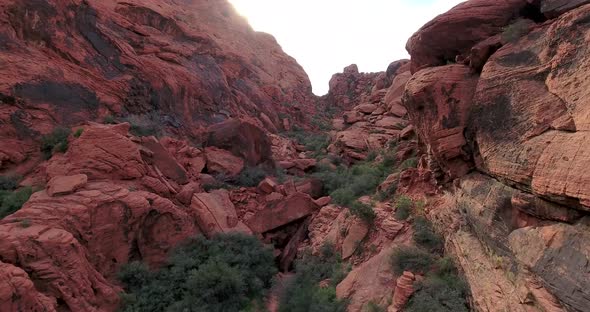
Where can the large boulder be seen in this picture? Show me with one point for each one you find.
(243, 139)
(215, 213)
(275, 215)
(455, 32)
(223, 162)
(73, 245)
(439, 101)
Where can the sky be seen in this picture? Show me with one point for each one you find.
(324, 36)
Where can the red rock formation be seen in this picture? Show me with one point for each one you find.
(18, 292)
(176, 65)
(454, 33)
(292, 208)
(439, 101)
(404, 288)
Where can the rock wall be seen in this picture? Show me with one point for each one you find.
(499, 99)
(180, 64)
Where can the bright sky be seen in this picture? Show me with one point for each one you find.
(327, 35)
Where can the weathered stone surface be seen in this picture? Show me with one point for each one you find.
(74, 244)
(456, 31)
(439, 101)
(404, 288)
(554, 8)
(18, 292)
(101, 152)
(356, 233)
(62, 185)
(243, 139)
(533, 138)
(223, 162)
(268, 185)
(292, 208)
(161, 158)
(215, 213)
(559, 254)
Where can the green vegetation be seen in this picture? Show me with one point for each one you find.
(8, 183)
(403, 208)
(229, 272)
(315, 142)
(411, 259)
(373, 307)
(304, 293)
(109, 119)
(442, 290)
(55, 142)
(250, 176)
(11, 201)
(409, 163)
(78, 133)
(363, 211)
(425, 236)
(515, 31)
(345, 185)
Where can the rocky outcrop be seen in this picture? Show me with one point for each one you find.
(290, 209)
(516, 212)
(171, 66)
(450, 36)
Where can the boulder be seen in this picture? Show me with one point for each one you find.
(455, 32)
(404, 289)
(275, 215)
(76, 243)
(356, 233)
(268, 185)
(439, 102)
(242, 139)
(62, 185)
(101, 152)
(223, 162)
(366, 108)
(323, 201)
(215, 213)
(161, 158)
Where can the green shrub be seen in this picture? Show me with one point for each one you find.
(411, 259)
(317, 143)
(109, 120)
(229, 272)
(10, 202)
(250, 176)
(373, 307)
(363, 211)
(303, 293)
(425, 236)
(438, 294)
(25, 223)
(78, 133)
(8, 183)
(403, 208)
(55, 142)
(409, 163)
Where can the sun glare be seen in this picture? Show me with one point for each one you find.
(327, 35)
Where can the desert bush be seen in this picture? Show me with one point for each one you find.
(317, 143)
(304, 293)
(11, 201)
(403, 207)
(411, 259)
(250, 176)
(55, 142)
(373, 307)
(439, 294)
(409, 163)
(425, 236)
(78, 132)
(109, 120)
(229, 272)
(363, 211)
(8, 183)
